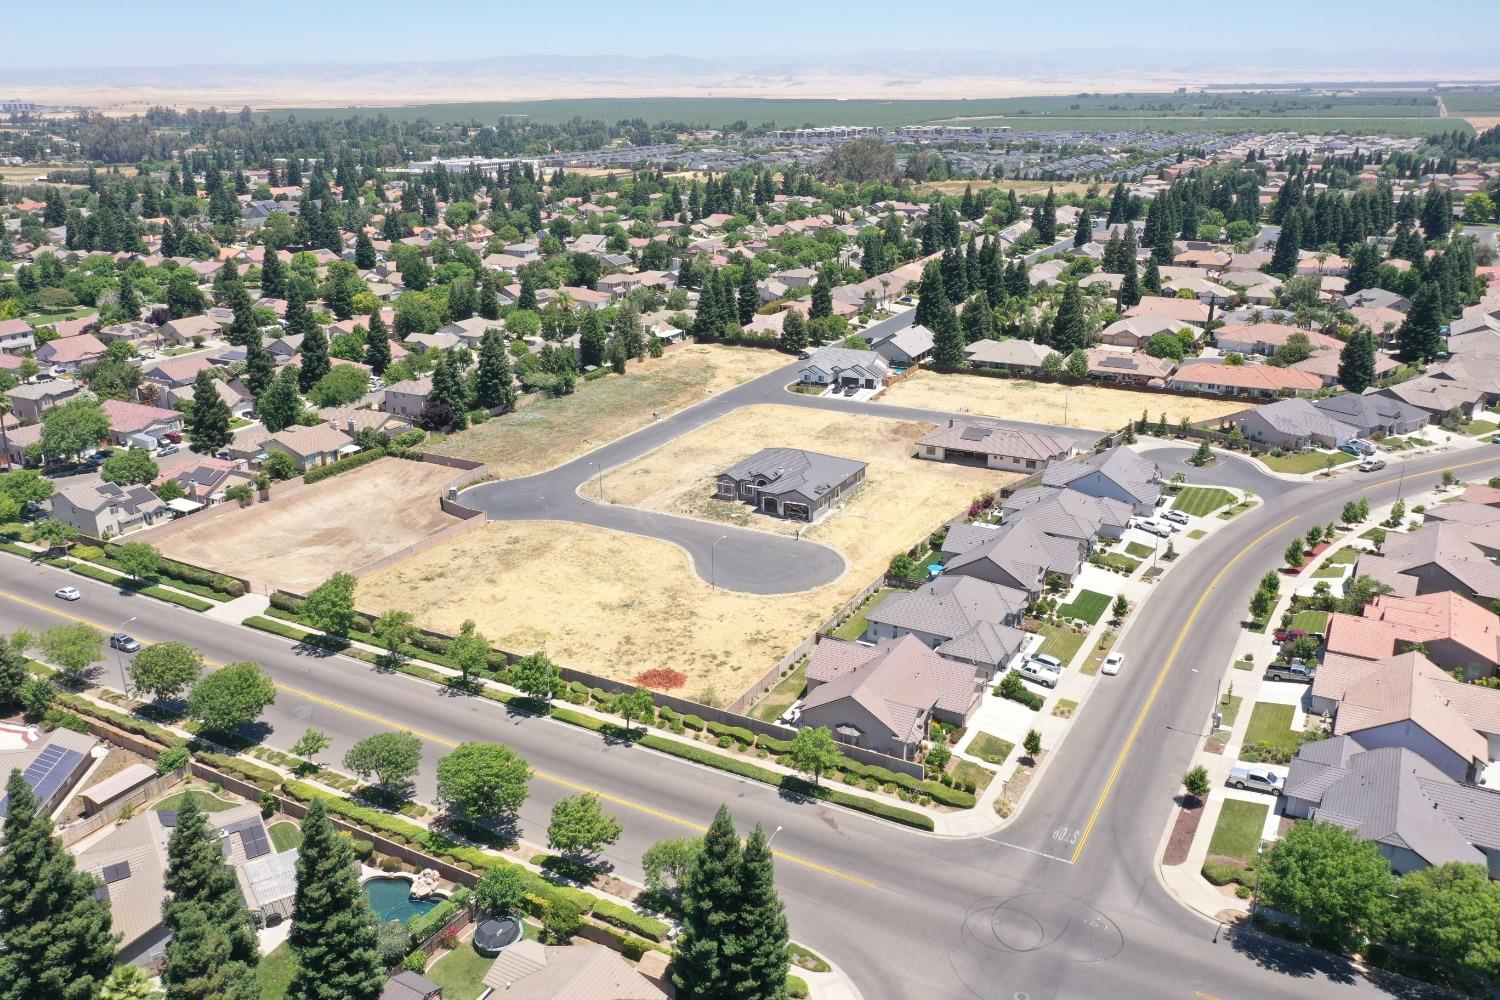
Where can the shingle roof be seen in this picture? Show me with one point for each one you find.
(989, 437)
(527, 970)
(1024, 552)
(792, 470)
(314, 440)
(1299, 417)
(1396, 693)
(949, 606)
(1371, 411)
(1444, 544)
(1019, 353)
(897, 682)
(1132, 473)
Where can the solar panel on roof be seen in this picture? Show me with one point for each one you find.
(116, 872)
(255, 844)
(168, 818)
(51, 768)
(975, 433)
(1118, 363)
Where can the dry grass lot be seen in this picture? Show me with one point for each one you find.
(536, 585)
(338, 524)
(552, 431)
(1091, 406)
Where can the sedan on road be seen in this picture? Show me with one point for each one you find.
(124, 643)
(1112, 664)
(67, 594)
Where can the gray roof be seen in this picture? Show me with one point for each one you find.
(991, 437)
(1023, 552)
(1298, 416)
(1443, 543)
(792, 470)
(950, 606)
(912, 342)
(834, 360)
(898, 682)
(1377, 298)
(1368, 411)
(409, 986)
(1066, 514)
(1132, 473)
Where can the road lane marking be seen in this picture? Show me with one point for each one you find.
(1205, 996)
(1161, 677)
(1028, 850)
(442, 741)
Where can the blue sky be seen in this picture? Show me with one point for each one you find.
(154, 33)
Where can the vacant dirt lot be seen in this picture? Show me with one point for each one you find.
(1091, 406)
(338, 524)
(537, 584)
(552, 431)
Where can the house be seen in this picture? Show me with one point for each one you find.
(1107, 365)
(1416, 816)
(1022, 356)
(407, 398)
(994, 445)
(1374, 415)
(30, 400)
(16, 336)
(1068, 514)
(961, 618)
(1117, 474)
(884, 697)
(311, 447)
(52, 763)
(351, 421)
(1455, 633)
(470, 331)
(1374, 298)
(105, 510)
(71, 354)
(1294, 423)
(1133, 333)
(1186, 310)
(1435, 558)
(236, 395)
(1020, 556)
(1251, 381)
(136, 333)
(842, 366)
(905, 348)
(186, 330)
(408, 985)
(132, 860)
(790, 482)
(1267, 338)
(529, 970)
(126, 420)
(205, 480)
(1437, 396)
(1325, 365)
(175, 372)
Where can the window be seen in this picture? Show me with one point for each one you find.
(744, 489)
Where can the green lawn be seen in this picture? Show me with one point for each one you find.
(1328, 571)
(1271, 725)
(1140, 550)
(1200, 500)
(1311, 621)
(990, 748)
(1197, 533)
(285, 836)
(1229, 710)
(1065, 708)
(967, 770)
(1095, 659)
(204, 801)
(1305, 461)
(1237, 834)
(1089, 605)
(1474, 428)
(461, 972)
(855, 626)
(1244, 664)
(1345, 556)
(1061, 643)
(782, 695)
(1124, 564)
(276, 970)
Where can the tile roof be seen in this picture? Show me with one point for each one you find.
(898, 682)
(305, 441)
(1396, 693)
(990, 437)
(129, 418)
(1016, 353)
(528, 970)
(1267, 378)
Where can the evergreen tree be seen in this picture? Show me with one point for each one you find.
(1357, 362)
(709, 945)
(260, 367)
(947, 338)
(526, 301)
(448, 390)
(591, 340)
(313, 357)
(280, 405)
(209, 418)
(1130, 286)
(272, 275)
(243, 328)
(1420, 335)
(749, 295)
(199, 963)
(129, 298)
(1044, 219)
(932, 296)
(299, 318)
(377, 345)
(821, 305)
(1364, 268)
(488, 305)
(1151, 278)
(54, 932)
(364, 251)
(1085, 229)
(333, 933)
(1285, 257)
(214, 954)
(1069, 327)
(493, 383)
(761, 968)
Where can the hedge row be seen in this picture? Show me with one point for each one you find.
(624, 916)
(629, 945)
(121, 721)
(342, 465)
(126, 583)
(742, 736)
(263, 778)
(226, 588)
(425, 925)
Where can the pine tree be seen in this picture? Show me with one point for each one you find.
(1420, 335)
(760, 972)
(333, 930)
(280, 405)
(821, 305)
(1130, 286)
(207, 916)
(1044, 219)
(364, 251)
(129, 298)
(1364, 268)
(1069, 329)
(209, 418)
(709, 944)
(1357, 362)
(1085, 229)
(199, 965)
(749, 295)
(947, 337)
(488, 305)
(493, 385)
(272, 276)
(260, 367)
(1151, 278)
(447, 388)
(313, 357)
(591, 340)
(1285, 257)
(793, 331)
(932, 296)
(54, 932)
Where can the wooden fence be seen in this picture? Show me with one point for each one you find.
(79, 829)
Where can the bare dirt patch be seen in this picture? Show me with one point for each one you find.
(552, 431)
(1090, 406)
(336, 525)
(1184, 828)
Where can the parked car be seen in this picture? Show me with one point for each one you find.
(1154, 527)
(1033, 671)
(1112, 664)
(1372, 465)
(67, 593)
(850, 390)
(1256, 779)
(1365, 445)
(1299, 673)
(170, 449)
(1175, 516)
(125, 643)
(174, 436)
(1047, 662)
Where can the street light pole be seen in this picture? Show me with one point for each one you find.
(120, 658)
(772, 837)
(712, 575)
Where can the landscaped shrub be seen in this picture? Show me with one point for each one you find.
(343, 465)
(743, 737)
(624, 916)
(693, 722)
(773, 744)
(424, 925)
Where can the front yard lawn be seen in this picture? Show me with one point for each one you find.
(1346, 556)
(1474, 428)
(1089, 605)
(1124, 564)
(1095, 659)
(1271, 725)
(1237, 834)
(461, 972)
(1065, 708)
(854, 628)
(1328, 571)
(1302, 462)
(967, 770)
(991, 749)
(1201, 500)
(782, 695)
(1140, 550)
(1061, 643)
(1229, 710)
(1311, 621)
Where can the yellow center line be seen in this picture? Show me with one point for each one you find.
(441, 741)
(1205, 996)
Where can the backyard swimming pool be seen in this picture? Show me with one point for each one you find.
(390, 898)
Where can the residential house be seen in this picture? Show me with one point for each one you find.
(351, 421)
(790, 482)
(1267, 338)
(1133, 333)
(1019, 356)
(174, 373)
(407, 398)
(16, 336)
(127, 420)
(1186, 310)
(1325, 365)
(1455, 633)
(1068, 514)
(1294, 423)
(137, 333)
(184, 331)
(1107, 365)
(1437, 396)
(204, 480)
(32, 399)
(1020, 556)
(961, 618)
(1373, 415)
(994, 445)
(103, 509)
(53, 763)
(311, 447)
(1436, 558)
(1117, 474)
(1374, 298)
(906, 347)
(408, 985)
(72, 354)
(530, 970)
(1250, 381)
(884, 697)
(236, 395)
(842, 366)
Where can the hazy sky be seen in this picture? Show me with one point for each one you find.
(102, 33)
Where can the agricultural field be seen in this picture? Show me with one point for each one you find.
(552, 431)
(336, 525)
(1088, 406)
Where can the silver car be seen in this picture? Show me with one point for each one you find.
(1256, 779)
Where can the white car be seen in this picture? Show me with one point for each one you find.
(1175, 516)
(67, 594)
(1036, 672)
(1152, 526)
(1112, 664)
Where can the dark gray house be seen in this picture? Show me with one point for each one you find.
(789, 482)
(1018, 555)
(962, 618)
(1119, 474)
(1373, 415)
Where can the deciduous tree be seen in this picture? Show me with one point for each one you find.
(164, 670)
(231, 697)
(483, 781)
(579, 828)
(813, 751)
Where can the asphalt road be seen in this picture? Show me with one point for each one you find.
(735, 558)
(1063, 903)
